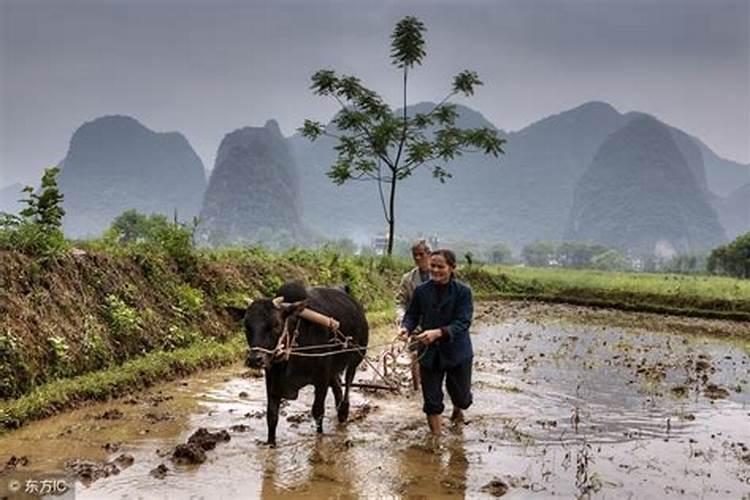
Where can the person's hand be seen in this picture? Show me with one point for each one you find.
(402, 333)
(429, 336)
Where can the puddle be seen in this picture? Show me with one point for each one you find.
(563, 407)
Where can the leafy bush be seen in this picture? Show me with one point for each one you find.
(122, 318)
(190, 301)
(14, 374)
(154, 234)
(60, 351)
(732, 259)
(178, 337)
(37, 230)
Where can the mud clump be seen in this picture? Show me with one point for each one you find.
(240, 428)
(159, 472)
(713, 391)
(111, 447)
(14, 463)
(124, 461)
(360, 412)
(113, 414)
(188, 454)
(194, 451)
(88, 471)
(496, 488)
(153, 417)
(679, 391)
(207, 440)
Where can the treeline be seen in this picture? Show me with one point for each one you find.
(37, 231)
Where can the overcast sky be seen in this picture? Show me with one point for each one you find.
(207, 67)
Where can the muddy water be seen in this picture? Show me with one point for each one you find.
(568, 401)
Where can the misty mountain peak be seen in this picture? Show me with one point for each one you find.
(115, 163)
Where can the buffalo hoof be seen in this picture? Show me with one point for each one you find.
(343, 411)
(271, 444)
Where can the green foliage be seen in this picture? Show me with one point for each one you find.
(45, 209)
(342, 246)
(609, 260)
(14, 374)
(190, 301)
(122, 319)
(95, 351)
(732, 259)
(178, 337)
(154, 234)
(573, 254)
(374, 143)
(60, 352)
(500, 253)
(538, 254)
(687, 263)
(37, 230)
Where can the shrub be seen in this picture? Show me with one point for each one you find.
(122, 319)
(37, 230)
(14, 374)
(190, 301)
(60, 351)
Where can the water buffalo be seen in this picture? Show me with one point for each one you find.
(265, 321)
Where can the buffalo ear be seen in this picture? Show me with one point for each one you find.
(237, 313)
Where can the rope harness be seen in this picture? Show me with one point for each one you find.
(339, 343)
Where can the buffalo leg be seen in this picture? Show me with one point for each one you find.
(343, 412)
(336, 390)
(318, 409)
(272, 411)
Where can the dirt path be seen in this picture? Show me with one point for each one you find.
(568, 400)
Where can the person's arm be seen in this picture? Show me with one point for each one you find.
(402, 298)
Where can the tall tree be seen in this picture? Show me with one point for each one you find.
(376, 144)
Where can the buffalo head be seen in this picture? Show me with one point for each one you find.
(264, 320)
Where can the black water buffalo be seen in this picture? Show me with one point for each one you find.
(265, 320)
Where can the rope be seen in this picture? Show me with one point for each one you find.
(287, 351)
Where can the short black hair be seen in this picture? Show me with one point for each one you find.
(448, 255)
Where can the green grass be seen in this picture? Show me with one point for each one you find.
(135, 374)
(685, 286)
(706, 296)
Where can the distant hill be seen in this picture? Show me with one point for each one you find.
(724, 176)
(524, 195)
(9, 196)
(253, 193)
(640, 194)
(114, 163)
(734, 211)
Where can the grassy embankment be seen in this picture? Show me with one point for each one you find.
(685, 295)
(94, 326)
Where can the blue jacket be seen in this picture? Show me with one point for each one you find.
(454, 312)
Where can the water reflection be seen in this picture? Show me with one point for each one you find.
(434, 467)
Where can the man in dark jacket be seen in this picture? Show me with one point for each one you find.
(443, 307)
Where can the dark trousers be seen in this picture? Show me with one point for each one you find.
(457, 382)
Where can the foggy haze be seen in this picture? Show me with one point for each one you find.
(205, 68)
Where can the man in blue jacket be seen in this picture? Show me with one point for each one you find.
(443, 307)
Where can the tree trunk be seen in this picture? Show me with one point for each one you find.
(391, 215)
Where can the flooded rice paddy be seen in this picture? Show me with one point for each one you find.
(569, 402)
